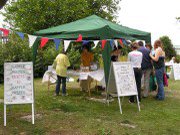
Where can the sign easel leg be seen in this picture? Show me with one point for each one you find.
(120, 104)
(138, 103)
(4, 115)
(32, 113)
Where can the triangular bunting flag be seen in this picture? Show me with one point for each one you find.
(21, 35)
(79, 38)
(57, 43)
(85, 42)
(112, 44)
(66, 44)
(124, 41)
(5, 31)
(32, 39)
(121, 43)
(95, 43)
(103, 43)
(116, 43)
(44, 40)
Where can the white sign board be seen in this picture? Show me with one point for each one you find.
(122, 80)
(18, 85)
(176, 71)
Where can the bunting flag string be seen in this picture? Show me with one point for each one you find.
(103, 43)
(57, 43)
(32, 39)
(5, 31)
(95, 43)
(66, 44)
(21, 35)
(44, 40)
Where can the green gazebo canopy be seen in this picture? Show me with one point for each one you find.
(95, 27)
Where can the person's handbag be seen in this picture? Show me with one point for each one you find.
(165, 80)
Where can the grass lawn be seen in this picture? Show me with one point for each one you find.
(76, 115)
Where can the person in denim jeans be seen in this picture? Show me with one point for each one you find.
(158, 62)
(61, 63)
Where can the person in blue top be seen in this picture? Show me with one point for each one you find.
(146, 67)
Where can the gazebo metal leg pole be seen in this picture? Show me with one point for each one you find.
(138, 103)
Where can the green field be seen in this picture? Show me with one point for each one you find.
(76, 115)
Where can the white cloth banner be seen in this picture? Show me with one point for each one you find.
(96, 43)
(32, 39)
(66, 44)
(116, 43)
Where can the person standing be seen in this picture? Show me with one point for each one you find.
(61, 63)
(159, 65)
(135, 57)
(116, 53)
(86, 61)
(146, 67)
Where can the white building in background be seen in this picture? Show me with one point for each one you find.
(177, 48)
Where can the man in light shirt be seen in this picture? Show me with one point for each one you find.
(135, 57)
(61, 63)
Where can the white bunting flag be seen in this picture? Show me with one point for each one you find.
(32, 39)
(116, 43)
(96, 43)
(66, 44)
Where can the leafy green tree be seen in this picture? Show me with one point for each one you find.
(14, 50)
(168, 47)
(29, 16)
(32, 15)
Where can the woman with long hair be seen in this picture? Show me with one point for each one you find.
(159, 65)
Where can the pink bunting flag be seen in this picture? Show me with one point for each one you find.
(103, 43)
(44, 40)
(79, 39)
(5, 31)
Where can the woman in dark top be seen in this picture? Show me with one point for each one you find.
(158, 62)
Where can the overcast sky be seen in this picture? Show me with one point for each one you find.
(155, 16)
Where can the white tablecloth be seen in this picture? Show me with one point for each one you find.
(98, 75)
